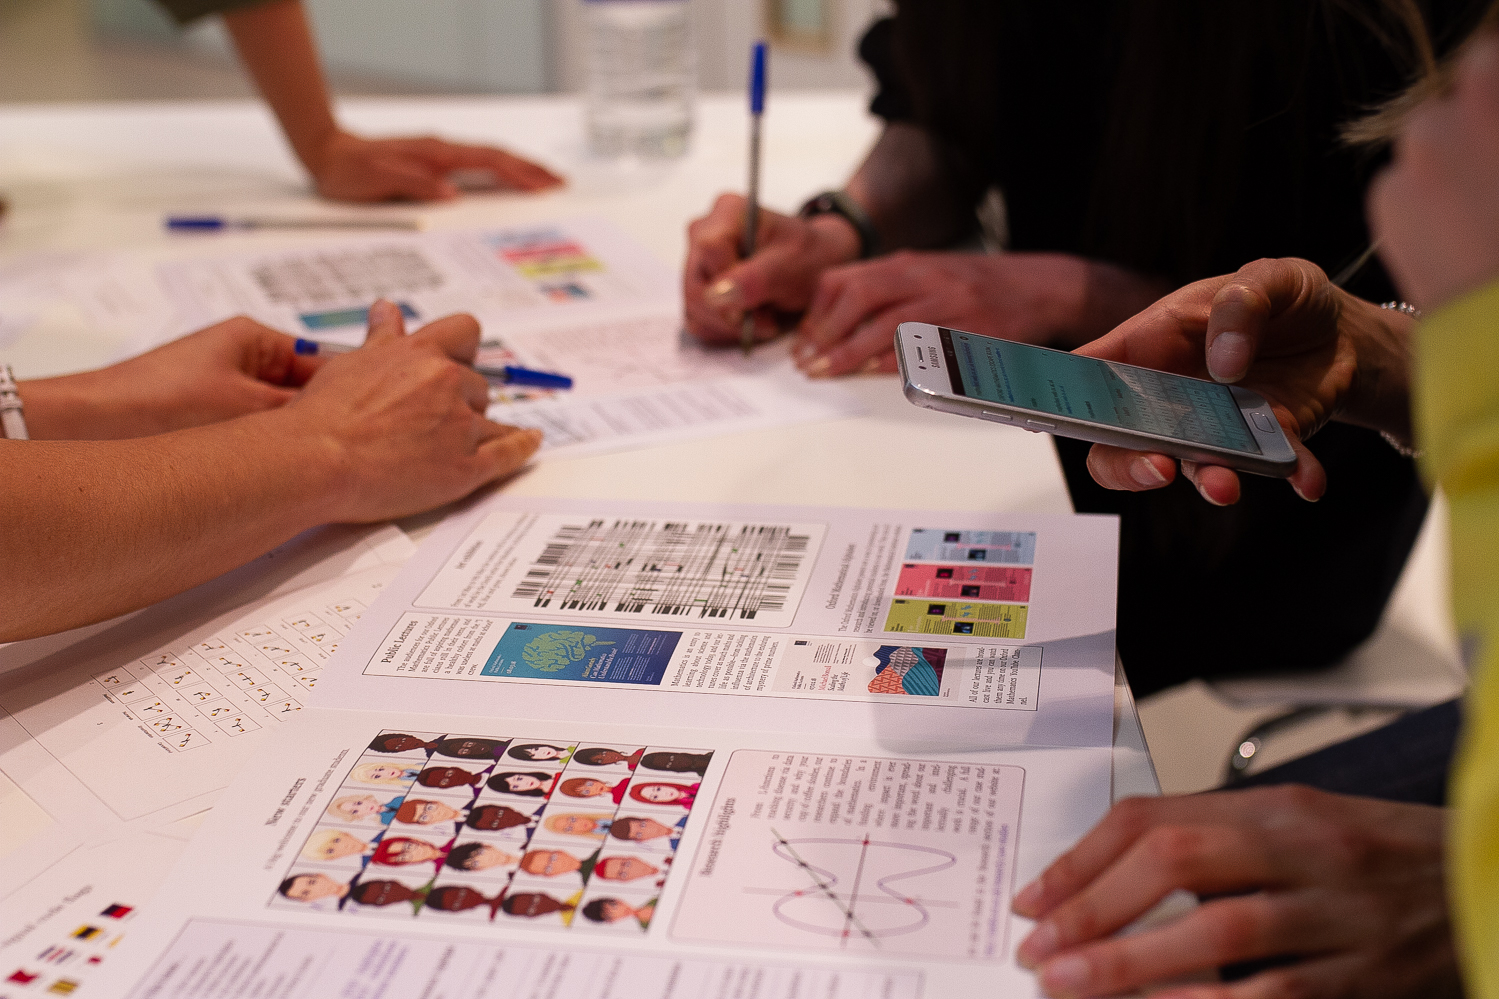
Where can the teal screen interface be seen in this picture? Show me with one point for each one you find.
(1114, 395)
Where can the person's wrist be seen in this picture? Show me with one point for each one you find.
(1378, 396)
(319, 467)
(835, 240)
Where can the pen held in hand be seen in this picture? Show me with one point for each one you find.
(508, 374)
(752, 199)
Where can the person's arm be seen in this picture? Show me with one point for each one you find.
(1435, 212)
(92, 529)
(275, 43)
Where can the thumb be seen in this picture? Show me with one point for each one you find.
(1242, 308)
(386, 321)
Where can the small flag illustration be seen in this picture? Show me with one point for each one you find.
(117, 911)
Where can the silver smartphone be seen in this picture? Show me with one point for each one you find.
(1039, 389)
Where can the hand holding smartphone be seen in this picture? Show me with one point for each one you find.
(1052, 391)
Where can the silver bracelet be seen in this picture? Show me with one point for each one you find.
(12, 420)
(1404, 308)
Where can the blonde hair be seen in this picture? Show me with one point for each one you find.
(1432, 78)
(321, 840)
(362, 773)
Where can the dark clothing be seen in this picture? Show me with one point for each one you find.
(1184, 139)
(187, 11)
(1406, 760)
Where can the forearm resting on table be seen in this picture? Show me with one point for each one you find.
(92, 529)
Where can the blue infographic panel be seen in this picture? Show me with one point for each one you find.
(571, 652)
(929, 544)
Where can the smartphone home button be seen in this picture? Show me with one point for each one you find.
(1041, 424)
(1264, 422)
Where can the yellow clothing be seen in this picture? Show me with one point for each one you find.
(1457, 426)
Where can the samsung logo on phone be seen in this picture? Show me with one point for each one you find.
(935, 360)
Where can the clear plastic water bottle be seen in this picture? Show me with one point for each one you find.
(641, 77)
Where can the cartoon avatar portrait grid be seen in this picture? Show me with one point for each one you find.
(534, 831)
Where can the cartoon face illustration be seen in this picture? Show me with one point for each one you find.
(493, 818)
(583, 787)
(611, 910)
(536, 752)
(397, 743)
(311, 887)
(398, 850)
(441, 777)
(624, 869)
(575, 825)
(356, 807)
(679, 763)
(420, 812)
(470, 748)
(597, 756)
(532, 904)
(662, 793)
(637, 829)
(382, 773)
(535, 784)
(479, 857)
(549, 863)
(332, 844)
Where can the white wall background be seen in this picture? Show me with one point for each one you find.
(519, 46)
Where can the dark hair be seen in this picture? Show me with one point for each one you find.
(379, 743)
(286, 885)
(491, 818)
(497, 782)
(595, 910)
(679, 763)
(521, 752)
(621, 828)
(593, 756)
(470, 748)
(462, 855)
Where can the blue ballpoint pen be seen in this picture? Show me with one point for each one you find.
(752, 200)
(220, 223)
(509, 374)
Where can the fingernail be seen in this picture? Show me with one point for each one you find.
(724, 294)
(1027, 899)
(1041, 944)
(1228, 357)
(1309, 499)
(818, 367)
(1066, 976)
(1203, 493)
(802, 351)
(1144, 472)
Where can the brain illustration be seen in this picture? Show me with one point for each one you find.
(558, 649)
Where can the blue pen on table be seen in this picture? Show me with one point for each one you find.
(752, 198)
(219, 223)
(508, 374)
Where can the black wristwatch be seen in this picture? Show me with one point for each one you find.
(839, 203)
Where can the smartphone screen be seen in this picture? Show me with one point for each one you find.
(1084, 388)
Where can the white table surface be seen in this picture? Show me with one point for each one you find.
(96, 177)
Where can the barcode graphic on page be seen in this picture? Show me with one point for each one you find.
(674, 569)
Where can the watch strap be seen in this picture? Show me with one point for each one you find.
(840, 203)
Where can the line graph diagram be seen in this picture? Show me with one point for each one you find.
(858, 889)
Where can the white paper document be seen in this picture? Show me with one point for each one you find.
(576, 297)
(981, 630)
(401, 854)
(651, 750)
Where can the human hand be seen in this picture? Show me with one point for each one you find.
(1351, 886)
(1028, 297)
(851, 323)
(1281, 329)
(349, 168)
(229, 369)
(718, 285)
(1435, 210)
(400, 422)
